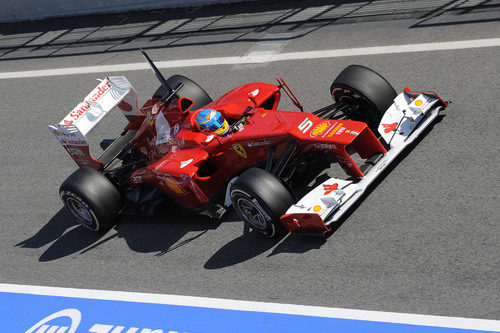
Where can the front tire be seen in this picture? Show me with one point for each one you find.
(92, 199)
(367, 92)
(260, 199)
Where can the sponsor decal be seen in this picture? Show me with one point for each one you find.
(340, 130)
(389, 127)
(305, 125)
(317, 208)
(330, 188)
(76, 142)
(258, 143)
(418, 102)
(186, 163)
(319, 128)
(75, 152)
(73, 314)
(324, 146)
(335, 130)
(329, 129)
(210, 138)
(66, 134)
(240, 150)
(137, 179)
(75, 318)
(80, 109)
(174, 185)
(264, 114)
(254, 93)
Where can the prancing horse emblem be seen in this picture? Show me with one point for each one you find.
(240, 150)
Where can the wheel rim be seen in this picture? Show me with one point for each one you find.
(347, 94)
(358, 102)
(79, 211)
(252, 213)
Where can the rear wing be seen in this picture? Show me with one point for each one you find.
(72, 130)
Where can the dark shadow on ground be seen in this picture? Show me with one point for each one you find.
(171, 28)
(146, 234)
(55, 228)
(241, 249)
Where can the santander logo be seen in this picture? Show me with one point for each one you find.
(72, 314)
(80, 109)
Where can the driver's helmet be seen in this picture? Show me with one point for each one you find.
(210, 120)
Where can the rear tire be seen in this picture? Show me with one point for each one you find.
(92, 199)
(369, 94)
(190, 90)
(260, 199)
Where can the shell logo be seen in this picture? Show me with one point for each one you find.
(320, 128)
(317, 208)
(418, 102)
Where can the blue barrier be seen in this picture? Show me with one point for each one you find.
(56, 314)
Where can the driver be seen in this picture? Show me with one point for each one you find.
(210, 120)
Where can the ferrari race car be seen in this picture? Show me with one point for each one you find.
(269, 164)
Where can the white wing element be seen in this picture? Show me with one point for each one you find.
(72, 130)
(401, 124)
(403, 116)
(111, 92)
(323, 199)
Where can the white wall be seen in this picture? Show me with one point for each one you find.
(20, 10)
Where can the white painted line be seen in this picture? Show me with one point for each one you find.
(219, 303)
(261, 58)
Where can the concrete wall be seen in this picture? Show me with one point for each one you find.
(21, 10)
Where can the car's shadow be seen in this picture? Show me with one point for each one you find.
(157, 234)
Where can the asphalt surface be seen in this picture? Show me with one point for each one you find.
(425, 240)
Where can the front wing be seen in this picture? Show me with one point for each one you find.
(406, 119)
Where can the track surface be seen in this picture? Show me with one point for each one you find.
(423, 241)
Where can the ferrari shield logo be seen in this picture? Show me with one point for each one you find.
(240, 150)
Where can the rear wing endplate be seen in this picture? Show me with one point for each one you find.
(72, 130)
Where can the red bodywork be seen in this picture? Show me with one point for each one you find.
(191, 166)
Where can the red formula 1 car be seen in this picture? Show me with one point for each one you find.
(263, 164)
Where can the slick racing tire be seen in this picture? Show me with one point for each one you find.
(91, 198)
(369, 94)
(261, 199)
(190, 90)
